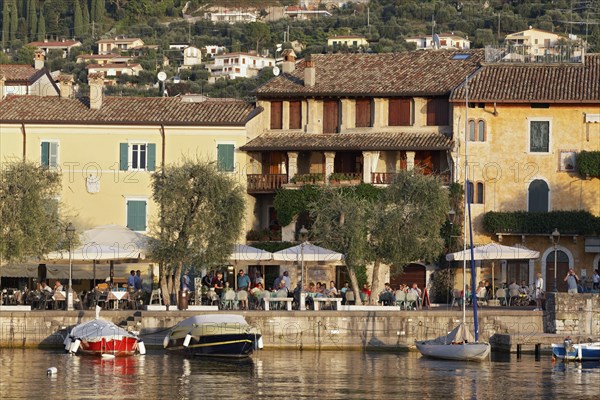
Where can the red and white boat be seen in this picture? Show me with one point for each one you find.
(103, 338)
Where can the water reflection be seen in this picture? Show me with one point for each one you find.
(293, 374)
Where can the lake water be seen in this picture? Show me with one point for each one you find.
(291, 375)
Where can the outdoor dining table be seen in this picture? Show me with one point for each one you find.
(117, 296)
(59, 296)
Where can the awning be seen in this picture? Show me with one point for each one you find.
(61, 271)
(242, 252)
(307, 252)
(494, 251)
(19, 271)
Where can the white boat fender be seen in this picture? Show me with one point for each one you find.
(107, 356)
(67, 343)
(579, 352)
(166, 340)
(51, 371)
(187, 340)
(141, 347)
(75, 346)
(260, 343)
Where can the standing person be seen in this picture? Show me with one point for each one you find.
(596, 280)
(218, 284)
(138, 281)
(539, 292)
(131, 281)
(571, 280)
(207, 279)
(243, 281)
(259, 279)
(186, 282)
(286, 279)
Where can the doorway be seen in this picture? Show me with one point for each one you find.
(562, 267)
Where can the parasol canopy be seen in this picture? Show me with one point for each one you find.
(493, 251)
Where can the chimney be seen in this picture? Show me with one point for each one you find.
(39, 59)
(309, 72)
(66, 86)
(289, 61)
(96, 81)
(2, 79)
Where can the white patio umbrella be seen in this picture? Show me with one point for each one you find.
(493, 251)
(307, 252)
(242, 252)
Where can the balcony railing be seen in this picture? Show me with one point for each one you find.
(385, 178)
(265, 183)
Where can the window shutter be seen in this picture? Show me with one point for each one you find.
(276, 114)
(45, 154)
(136, 215)
(225, 157)
(151, 165)
(123, 161)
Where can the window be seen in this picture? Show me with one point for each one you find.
(538, 196)
(363, 113)
(539, 136)
(225, 153)
(476, 191)
(295, 115)
(49, 156)
(137, 156)
(437, 112)
(477, 131)
(400, 113)
(136, 215)
(276, 114)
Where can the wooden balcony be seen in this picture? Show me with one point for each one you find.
(265, 183)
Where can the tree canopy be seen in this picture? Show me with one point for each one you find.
(30, 223)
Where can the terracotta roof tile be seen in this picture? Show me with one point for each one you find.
(288, 141)
(402, 74)
(124, 110)
(66, 43)
(19, 72)
(533, 83)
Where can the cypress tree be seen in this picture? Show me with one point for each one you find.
(14, 20)
(93, 10)
(5, 24)
(86, 18)
(41, 28)
(77, 19)
(32, 19)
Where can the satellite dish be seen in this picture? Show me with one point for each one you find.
(436, 41)
(276, 71)
(162, 76)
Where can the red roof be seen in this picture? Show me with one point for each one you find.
(66, 43)
(20, 72)
(113, 65)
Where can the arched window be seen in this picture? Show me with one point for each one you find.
(475, 193)
(538, 196)
(472, 130)
(477, 130)
(470, 190)
(481, 130)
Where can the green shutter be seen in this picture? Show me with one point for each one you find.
(45, 154)
(136, 215)
(225, 157)
(124, 152)
(151, 164)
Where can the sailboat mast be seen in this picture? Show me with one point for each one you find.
(466, 197)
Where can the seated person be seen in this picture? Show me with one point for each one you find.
(333, 292)
(386, 297)
(513, 290)
(218, 284)
(256, 293)
(46, 289)
(58, 286)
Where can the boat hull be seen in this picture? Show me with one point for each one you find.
(119, 348)
(457, 352)
(588, 352)
(227, 345)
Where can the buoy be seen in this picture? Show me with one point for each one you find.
(75, 346)
(166, 341)
(51, 371)
(187, 340)
(141, 347)
(107, 356)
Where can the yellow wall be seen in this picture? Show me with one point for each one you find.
(94, 150)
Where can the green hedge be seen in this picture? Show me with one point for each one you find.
(567, 222)
(588, 164)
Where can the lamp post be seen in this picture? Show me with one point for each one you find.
(555, 239)
(303, 235)
(70, 232)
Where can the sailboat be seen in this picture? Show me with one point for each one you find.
(459, 344)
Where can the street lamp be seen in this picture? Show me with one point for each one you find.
(555, 239)
(70, 232)
(303, 236)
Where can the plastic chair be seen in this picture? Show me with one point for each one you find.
(401, 299)
(456, 299)
(481, 296)
(229, 300)
(155, 296)
(350, 297)
(411, 301)
(241, 296)
(501, 296)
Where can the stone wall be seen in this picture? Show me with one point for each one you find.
(572, 314)
(388, 330)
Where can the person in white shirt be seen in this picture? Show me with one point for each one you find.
(596, 280)
(539, 292)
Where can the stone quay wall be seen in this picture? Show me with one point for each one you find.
(332, 330)
(572, 314)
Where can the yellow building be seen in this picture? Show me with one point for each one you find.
(107, 148)
(526, 125)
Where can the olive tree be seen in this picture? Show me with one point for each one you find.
(30, 225)
(201, 218)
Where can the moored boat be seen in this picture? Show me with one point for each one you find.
(457, 345)
(569, 351)
(102, 338)
(215, 335)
